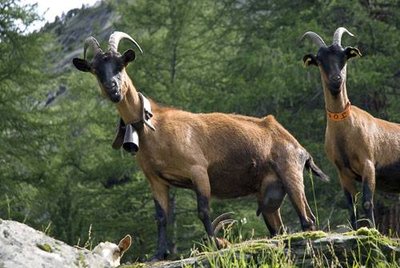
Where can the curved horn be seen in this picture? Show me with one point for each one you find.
(222, 224)
(118, 36)
(91, 42)
(221, 218)
(315, 38)
(337, 36)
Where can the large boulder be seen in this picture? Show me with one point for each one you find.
(23, 246)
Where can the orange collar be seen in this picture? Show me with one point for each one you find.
(340, 116)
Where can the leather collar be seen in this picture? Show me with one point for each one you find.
(341, 115)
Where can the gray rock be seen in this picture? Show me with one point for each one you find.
(23, 246)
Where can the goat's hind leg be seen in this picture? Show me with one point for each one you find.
(269, 201)
(294, 186)
(273, 221)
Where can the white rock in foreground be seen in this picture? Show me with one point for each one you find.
(23, 246)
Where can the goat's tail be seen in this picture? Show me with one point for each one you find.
(310, 165)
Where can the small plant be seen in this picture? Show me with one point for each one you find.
(47, 229)
(314, 197)
(89, 242)
(8, 201)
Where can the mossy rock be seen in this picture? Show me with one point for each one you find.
(364, 247)
(302, 236)
(372, 235)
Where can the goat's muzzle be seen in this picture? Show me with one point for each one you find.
(335, 84)
(112, 90)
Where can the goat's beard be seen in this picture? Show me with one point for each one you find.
(113, 97)
(117, 97)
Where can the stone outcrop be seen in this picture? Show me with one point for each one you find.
(22, 246)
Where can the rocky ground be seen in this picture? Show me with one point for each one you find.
(23, 246)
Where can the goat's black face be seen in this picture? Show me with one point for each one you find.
(109, 69)
(332, 63)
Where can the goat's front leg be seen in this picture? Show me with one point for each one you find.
(161, 199)
(368, 188)
(203, 211)
(203, 193)
(349, 190)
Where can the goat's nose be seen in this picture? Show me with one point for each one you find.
(112, 85)
(336, 78)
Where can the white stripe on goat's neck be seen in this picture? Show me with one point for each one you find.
(130, 107)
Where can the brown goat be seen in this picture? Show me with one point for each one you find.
(362, 147)
(216, 154)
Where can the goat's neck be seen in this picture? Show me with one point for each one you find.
(338, 103)
(130, 107)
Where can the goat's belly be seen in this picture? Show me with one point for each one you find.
(388, 178)
(177, 181)
(233, 184)
(232, 191)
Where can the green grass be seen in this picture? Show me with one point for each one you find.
(363, 248)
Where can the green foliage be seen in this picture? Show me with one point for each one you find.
(21, 155)
(57, 169)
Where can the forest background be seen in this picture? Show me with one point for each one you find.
(58, 172)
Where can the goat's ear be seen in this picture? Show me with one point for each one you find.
(125, 243)
(81, 65)
(310, 59)
(352, 52)
(128, 56)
